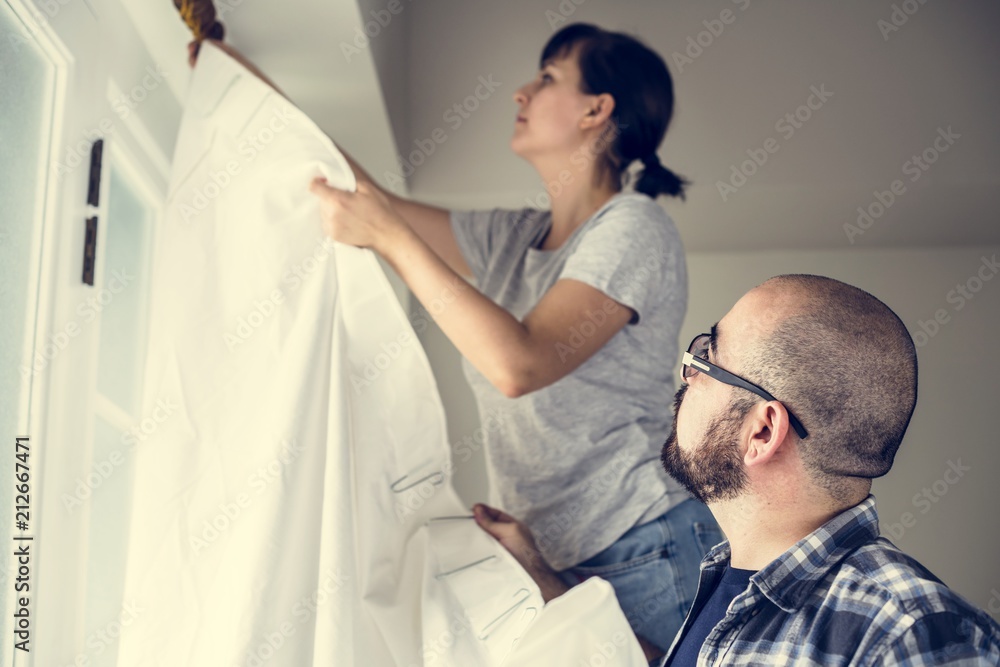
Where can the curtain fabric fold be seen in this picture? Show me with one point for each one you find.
(285, 511)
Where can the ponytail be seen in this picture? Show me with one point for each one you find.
(656, 179)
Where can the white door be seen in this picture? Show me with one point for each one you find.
(73, 336)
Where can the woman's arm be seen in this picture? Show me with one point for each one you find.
(431, 223)
(516, 357)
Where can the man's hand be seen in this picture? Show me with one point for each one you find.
(518, 540)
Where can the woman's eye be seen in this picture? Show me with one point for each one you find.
(546, 76)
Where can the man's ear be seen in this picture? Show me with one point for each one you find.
(767, 425)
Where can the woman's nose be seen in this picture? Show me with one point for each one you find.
(520, 97)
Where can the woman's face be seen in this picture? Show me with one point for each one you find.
(550, 109)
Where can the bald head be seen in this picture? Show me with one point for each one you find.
(840, 360)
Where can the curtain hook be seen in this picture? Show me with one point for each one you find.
(518, 638)
(442, 575)
(450, 518)
(486, 632)
(438, 479)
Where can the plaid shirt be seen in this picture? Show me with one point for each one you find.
(843, 596)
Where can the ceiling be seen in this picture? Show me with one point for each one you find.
(891, 92)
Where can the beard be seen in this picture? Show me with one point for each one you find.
(714, 470)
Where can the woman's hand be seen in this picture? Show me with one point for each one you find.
(363, 218)
(516, 538)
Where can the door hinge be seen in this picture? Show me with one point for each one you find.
(93, 199)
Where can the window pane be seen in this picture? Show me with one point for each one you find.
(120, 298)
(122, 292)
(27, 79)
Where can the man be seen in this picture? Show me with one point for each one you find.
(793, 403)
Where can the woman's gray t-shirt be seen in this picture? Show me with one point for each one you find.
(578, 461)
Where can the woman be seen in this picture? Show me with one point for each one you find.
(573, 330)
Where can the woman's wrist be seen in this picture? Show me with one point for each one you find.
(394, 239)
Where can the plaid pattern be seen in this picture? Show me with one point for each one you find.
(843, 596)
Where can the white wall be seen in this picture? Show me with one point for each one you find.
(888, 98)
(953, 529)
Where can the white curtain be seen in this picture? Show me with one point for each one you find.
(292, 499)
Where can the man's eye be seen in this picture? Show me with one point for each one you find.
(546, 76)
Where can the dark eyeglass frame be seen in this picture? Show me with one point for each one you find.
(694, 363)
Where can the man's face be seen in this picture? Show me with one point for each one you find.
(703, 452)
(714, 469)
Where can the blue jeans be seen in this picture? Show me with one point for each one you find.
(654, 569)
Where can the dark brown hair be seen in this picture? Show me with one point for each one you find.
(638, 79)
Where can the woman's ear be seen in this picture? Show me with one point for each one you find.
(600, 109)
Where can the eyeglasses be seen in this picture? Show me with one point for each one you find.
(696, 361)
